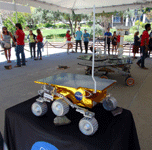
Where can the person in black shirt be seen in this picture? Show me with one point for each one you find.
(114, 42)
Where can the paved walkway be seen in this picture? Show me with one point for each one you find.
(17, 85)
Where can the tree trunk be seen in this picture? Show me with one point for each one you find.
(70, 24)
(122, 20)
(75, 25)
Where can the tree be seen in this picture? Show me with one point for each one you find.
(73, 18)
(9, 20)
(104, 19)
(148, 12)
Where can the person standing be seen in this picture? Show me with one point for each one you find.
(78, 35)
(150, 42)
(108, 36)
(118, 41)
(114, 42)
(6, 38)
(69, 43)
(20, 35)
(144, 46)
(86, 40)
(39, 44)
(32, 42)
(136, 43)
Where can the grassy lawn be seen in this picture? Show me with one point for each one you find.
(56, 32)
(47, 31)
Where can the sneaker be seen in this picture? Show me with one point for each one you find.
(144, 68)
(23, 64)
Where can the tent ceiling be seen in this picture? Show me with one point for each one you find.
(85, 6)
(11, 7)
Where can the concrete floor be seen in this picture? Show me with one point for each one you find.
(17, 85)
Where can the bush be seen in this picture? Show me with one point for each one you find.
(90, 23)
(137, 22)
(142, 24)
(85, 26)
(47, 25)
(40, 25)
(56, 36)
(129, 38)
(64, 26)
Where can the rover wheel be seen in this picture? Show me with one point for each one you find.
(88, 126)
(39, 109)
(110, 103)
(130, 81)
(104, 77)
(60, 107)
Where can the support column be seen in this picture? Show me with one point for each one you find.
(93, 49)
(112, 21)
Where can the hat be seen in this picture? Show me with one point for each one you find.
(85, 29)
(68, 30)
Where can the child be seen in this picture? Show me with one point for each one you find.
(69, 43)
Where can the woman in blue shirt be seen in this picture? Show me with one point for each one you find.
(86, 40)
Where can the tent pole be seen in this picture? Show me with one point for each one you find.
(93, 49)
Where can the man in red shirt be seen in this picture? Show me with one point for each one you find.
(144, 46)
(20, 35)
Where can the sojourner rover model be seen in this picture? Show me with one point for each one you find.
(77, 91)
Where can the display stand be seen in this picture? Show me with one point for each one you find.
(23, 130)
(121, 31)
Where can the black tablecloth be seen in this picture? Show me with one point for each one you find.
(1, 142)
(23, 129)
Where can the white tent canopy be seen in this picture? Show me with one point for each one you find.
(85, 6)
(12, 7)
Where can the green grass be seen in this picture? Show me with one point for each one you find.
(56, 34)
(57, 40)
(46, 32)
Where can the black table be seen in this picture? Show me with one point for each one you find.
(23, 129)
(1, 142)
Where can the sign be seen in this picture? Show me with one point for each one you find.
(78, 96)
(48, 96)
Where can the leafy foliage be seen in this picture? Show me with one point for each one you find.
(98, 31)
(10, 21)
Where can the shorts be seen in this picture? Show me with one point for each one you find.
(135, 49)
(69, 42)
